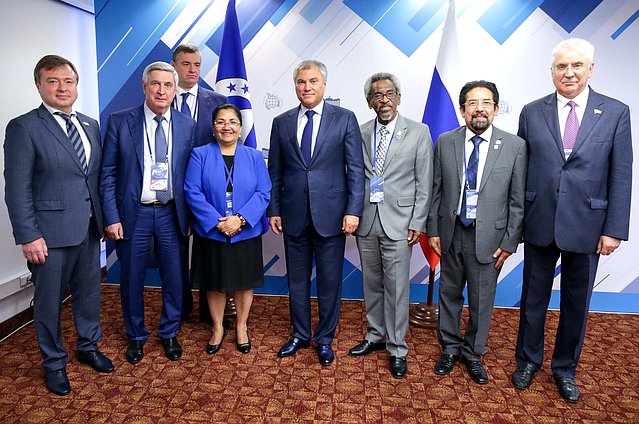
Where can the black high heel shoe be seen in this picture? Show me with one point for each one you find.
(244, 347)
(211, 349)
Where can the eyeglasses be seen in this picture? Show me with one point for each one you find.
(474, 104)
(576, 67)
(222, 124)
(391, 95)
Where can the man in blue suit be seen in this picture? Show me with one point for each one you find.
(51, 169)
(577, 208)
(198, 103)
(145, 153)
(317, 172)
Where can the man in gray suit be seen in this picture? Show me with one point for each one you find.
(577, 208)
(475, 222)
(398, 163)
(52, 161)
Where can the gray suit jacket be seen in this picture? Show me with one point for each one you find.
(47, 193)
(500, 208)
(408, 176)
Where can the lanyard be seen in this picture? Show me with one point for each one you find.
(195, 110)
(375, 146)
(228, 173)
(148, 141)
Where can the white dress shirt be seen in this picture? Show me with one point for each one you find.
(190, 100)
(302, 120)
(78, 125)
(148, 195)
(563, 109)
(483, 153)
(390, 127)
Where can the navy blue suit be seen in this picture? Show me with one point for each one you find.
(48, 195)
(312, 201)
(121, 188)
(569, 205)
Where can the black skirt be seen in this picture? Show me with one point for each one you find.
(226, 267)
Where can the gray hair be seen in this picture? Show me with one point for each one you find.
(159, 66)
(578, 45)
(368, 85)
(308, 64)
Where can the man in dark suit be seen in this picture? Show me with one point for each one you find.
(316, 168)
(475, 222)
(398, 162)
(198, 103)
(51, 169)
(145, 153)
(577, 208)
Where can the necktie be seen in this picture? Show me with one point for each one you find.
(471, 178)
(572, 127)
(161, 149)
(382, 149)
(307, 137)
(185, 109)
(76, 140)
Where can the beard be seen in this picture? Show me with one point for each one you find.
(479, 125)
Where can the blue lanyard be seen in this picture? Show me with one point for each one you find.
(375, 146)
(148, 142)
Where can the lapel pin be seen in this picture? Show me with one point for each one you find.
(498, 142)
(398, 135)
(496, 146)
(598, 112)
(86, 124)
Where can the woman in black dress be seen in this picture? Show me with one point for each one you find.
(228, 189)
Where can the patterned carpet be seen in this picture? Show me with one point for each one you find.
(259, 387)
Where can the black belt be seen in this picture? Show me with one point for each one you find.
(158, 204)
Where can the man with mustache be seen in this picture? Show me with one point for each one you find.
(146, 149)
(577, 208)
(475, 222)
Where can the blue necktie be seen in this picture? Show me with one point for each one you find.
(76, 140)
(307, 137)
(161, 150)
(471, 178)
(185, 106)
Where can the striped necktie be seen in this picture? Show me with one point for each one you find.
(161, 150)
(76, 140)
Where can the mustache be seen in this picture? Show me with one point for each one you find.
(480, 113)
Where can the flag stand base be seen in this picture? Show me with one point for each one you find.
(425, 314)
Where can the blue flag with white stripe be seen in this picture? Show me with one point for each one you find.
(231, 74)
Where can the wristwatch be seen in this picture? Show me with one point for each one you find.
(242, 219)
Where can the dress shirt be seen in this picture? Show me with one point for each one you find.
(391, 133)
(483, 153)
(302, 120)
(148, 195)
(191, 100)
(78, 125)
(563, 109)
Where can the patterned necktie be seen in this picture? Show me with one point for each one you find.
(161, 150)
(307, 137)
(572, 127)
(471, 178)
(382, 149)
(76, 140)
(185, 106)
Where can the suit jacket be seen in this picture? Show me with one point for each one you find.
(575, 201)
(208, 100)
(408, 179)
(500, 207)
(47, 192)
(333, 183)
(205, 188)
(123, 165)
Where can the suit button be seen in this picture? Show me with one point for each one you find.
(88, 199)
(557, 190)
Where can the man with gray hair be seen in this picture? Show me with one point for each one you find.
(316, 168)
(145, 153)
(398, 165)
(577, 208)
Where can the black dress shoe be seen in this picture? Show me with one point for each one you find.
(135, 351)
(445, 363)
(243, 347)
(366, 347)
(325, 354)
(58, 382)
(97, 360)
(567, 389)
(476, 371)
(291, 347)
(214, 348)
(398, 367)
(172, 348)
(522, 378)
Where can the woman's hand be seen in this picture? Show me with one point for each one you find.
(230, 225)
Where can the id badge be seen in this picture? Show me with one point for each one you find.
(471, 204)
(160, 176)
(377, 190)
(228, 202)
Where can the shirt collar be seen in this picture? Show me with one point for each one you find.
(580, 100)
(486, 135)
(318, 109)
(53, 110)
(149, 115)
(390, 126)
(192, 91)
